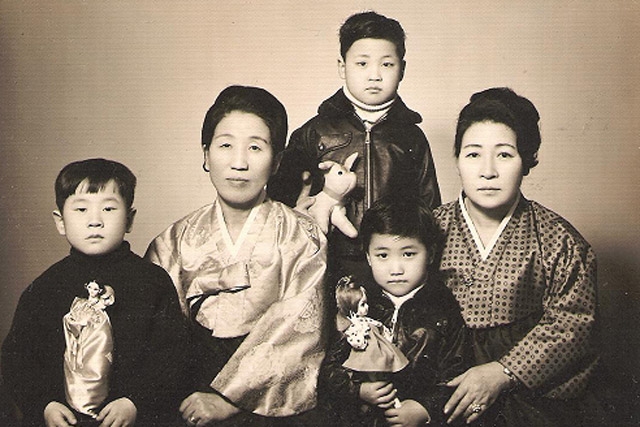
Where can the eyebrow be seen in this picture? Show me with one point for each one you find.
(382, 248)
(79, 199)
(255, 137)
(500, 144)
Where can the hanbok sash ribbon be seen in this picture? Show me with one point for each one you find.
(231, 278)
(88, 355)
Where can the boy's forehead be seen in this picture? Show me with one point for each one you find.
(367, 46)
(109, 189)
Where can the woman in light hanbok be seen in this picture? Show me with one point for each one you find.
(525, 279)
(249, 274)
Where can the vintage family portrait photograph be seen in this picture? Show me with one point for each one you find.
(352, 213)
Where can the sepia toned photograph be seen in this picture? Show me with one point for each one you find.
(339, 213)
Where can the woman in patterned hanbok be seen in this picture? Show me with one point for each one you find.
(249, 274)
(525, 279)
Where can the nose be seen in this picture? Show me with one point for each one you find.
(374, 74)
(397, 268)
(95, 221)
(488, 170)
(239, 159)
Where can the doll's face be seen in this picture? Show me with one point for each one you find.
(363, 306)
(94, 289)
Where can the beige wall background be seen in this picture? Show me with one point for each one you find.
(131, 81)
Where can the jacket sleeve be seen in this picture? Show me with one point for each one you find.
(556, 355)
(299, 156)
(31, 381)
(427, 180)
(443, 356)
(156, 383)
(335, 384)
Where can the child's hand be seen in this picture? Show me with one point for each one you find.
(200, 409)
(378, 393)
(58, 415)
(410, 413)
(119, 413)
(305, 201)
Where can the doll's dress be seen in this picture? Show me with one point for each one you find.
(88, 355)
(371, 347)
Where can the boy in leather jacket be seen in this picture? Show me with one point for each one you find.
(365, 116)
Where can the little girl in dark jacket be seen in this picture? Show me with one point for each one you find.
(400, 241)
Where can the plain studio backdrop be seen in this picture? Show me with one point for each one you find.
(131, 81)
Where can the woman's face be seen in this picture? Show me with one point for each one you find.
(240, 159)
(490, 168)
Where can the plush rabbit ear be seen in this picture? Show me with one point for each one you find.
(350, 161)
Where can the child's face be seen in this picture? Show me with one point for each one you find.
(399, 264)
(372, 70)
(240, 159)
(94, 223)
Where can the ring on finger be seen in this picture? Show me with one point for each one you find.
(476, 408)
(193, 420)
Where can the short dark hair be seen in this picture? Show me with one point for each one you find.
(97, 173)
(503, 105)
(401, 215)
(371, 25)
(248, 99)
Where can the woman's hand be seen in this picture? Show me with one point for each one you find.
(476, 390)
(409, 414)
(199, 409)
(378, 393)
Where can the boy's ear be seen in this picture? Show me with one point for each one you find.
(341, 69)
(59, 221)
(402, 69)
(130, 217)
(368, 259)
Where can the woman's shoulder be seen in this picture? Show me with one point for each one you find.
(445, 213)
(293, 225)
(194, 220)
(555, 228)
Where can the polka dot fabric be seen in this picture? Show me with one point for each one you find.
(540, 266)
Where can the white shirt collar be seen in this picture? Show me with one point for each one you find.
(368, 113)
(398, 301)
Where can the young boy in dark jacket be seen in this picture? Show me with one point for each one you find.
(401, 242)
(366, 116)
(98, 338)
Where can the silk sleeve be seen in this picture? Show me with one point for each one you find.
(556, 355)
